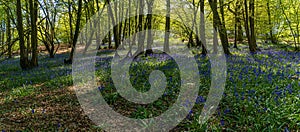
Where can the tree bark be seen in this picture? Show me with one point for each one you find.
(167, 28)
(33, 5)
(23, 54)
(140, 27)
(253, 47)
(221, 27)
(70, 60)
(202, 28)
(270, 23)
(149, 27)
(8, 34)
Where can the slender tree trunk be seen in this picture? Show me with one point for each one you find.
(235, 25)
(140, 27)
(167, 28)
(239, 23)
(28, 41)
(113, 20)
(235, 32)
(70, 22)
(33, 19)
(109, 33)
(8, 34)
(246, 17)
(221, 27)
(252, 27)
(270, 22)
(70, 60)
(149, 27)
(2, 33)
(129, 30)
(98, 26)
(202, 28)
(23, 54)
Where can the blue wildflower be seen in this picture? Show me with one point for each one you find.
(226, 111)
(200, 99)
(236, 94)
(32, 111)
(278, 93)
(286, 129)
(101, 88)
(242, 96)
(190, 114)
(222, 122)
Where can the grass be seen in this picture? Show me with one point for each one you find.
(262, 94)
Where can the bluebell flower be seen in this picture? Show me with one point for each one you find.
(289, 86)
(240, 77)
(265, 109)
(32, 111)
(101, 88)
(226, 111)
(190, 114)
(231, 79)
(278, 93)
(286, 129)
(236, 94)
(166, 93)
(222, 122)
(200, 99)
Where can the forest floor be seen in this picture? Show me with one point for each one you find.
(262, 93)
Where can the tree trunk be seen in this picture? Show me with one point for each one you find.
(8, 34)
(246, 17)
(221, 27)
(149, 27)
(70, 60)
(109, 33)
(253, 47)
(202, 28)
(28, 41)
(70, 23)
(270, 22)
(33, 5)
(167, 28)
(23, 54)
(140, 27)
(239, 23)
